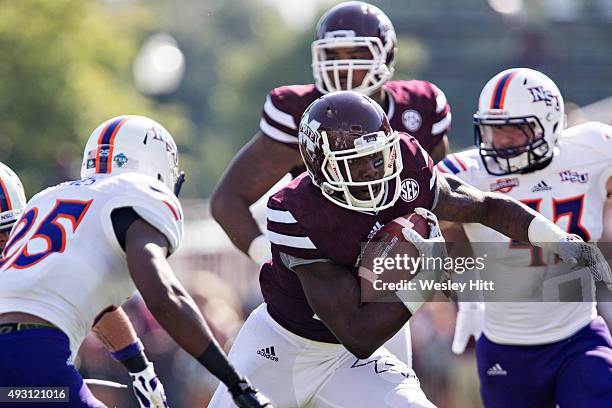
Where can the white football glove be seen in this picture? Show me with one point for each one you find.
(579, 254)
(470, 321)
(432, 246)
(148, 389)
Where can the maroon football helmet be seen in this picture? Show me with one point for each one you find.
(350, 151)
(353, 24)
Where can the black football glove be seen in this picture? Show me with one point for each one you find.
(247, 396)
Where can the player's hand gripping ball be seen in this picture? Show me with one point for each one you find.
(386, 258)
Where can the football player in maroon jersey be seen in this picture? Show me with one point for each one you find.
(314, 342)
(354, 49)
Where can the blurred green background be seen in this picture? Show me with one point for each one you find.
(67, 65)
(203, 68)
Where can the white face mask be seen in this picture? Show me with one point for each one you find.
(510, 145)
(339, 178)
(327, 72)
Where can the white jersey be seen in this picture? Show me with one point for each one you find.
(571, 191)
(63, 262)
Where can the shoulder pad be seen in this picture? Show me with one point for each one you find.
(595, 136)
(153, 201)
(283, 109)
(460, 164)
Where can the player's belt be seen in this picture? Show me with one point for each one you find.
(7, 328)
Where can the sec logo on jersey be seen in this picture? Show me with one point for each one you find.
(409, 190)
(412, 120)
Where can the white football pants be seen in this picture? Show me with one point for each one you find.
(296, 372)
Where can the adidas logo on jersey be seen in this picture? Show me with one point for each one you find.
(496, 369)
(268, 353)
(541, 186)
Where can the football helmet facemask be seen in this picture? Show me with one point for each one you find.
(518, 104)
(12, 198)
(353, 24)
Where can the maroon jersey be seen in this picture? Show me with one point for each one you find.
(418, 108)
(303, 224)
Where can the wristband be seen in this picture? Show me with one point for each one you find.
(411, 299)
(544, 233)
(132, 357)
(259, 249)
(133, 350)
(217, 363)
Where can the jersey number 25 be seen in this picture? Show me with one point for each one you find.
(16, 254)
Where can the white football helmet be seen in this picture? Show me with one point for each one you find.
(525, 99)
(12, 198)
(353, 24)
(133, 144)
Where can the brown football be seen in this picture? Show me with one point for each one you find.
(389, 242)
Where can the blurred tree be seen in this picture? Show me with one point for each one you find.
(66, 67)
(235, 52)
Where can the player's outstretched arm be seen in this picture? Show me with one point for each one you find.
(460, 202)
(115, 331)
(334, 294)
(252, 172)
(176, 312)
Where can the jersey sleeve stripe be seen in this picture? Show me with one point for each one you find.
(275, 133)
(279, 126)
(449, 165)
(456, 158)
(440, 100)
(441, 125)
(278, 115)
(290, 241)
(282, 217)
(440, 168)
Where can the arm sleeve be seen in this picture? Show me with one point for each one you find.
(122, 218)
